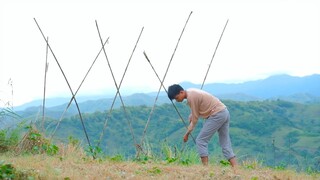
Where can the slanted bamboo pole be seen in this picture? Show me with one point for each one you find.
(116, 95)
(161, 83)
(81, 119)
(205, 77)
(117, 87)
(72, 98)
(175, 107)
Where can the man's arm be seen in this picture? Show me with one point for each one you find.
(193, 121)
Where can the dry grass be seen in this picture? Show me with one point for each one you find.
(72, 163)
(44, 167)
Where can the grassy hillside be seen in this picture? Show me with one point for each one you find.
(73, 163)
(277, 133)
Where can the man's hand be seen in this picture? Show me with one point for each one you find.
(185, 137)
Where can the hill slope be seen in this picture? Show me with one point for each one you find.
(275, 131)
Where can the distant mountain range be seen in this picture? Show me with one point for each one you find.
(295, 89)
(275, 87)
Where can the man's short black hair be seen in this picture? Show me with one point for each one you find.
(174, 90)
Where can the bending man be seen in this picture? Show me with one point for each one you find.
(207, 106)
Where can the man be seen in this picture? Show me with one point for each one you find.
(207, 106)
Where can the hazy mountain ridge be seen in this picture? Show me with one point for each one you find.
(274, 86)
(295, 89)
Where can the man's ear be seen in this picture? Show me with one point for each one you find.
(182, 92)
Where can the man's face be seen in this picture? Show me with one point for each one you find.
(179, 97)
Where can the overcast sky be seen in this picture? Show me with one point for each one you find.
(262, 38)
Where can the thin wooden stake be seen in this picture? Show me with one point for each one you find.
(175, 107)
(117, 87)
(161, 83)
(83, 126)
(116, 95)
(44, 86)
(72, 98)
(205, 77)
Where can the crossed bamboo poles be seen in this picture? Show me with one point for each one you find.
(118, 86)
(162, 81)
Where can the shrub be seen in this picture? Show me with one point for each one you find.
(6, 171)
(33, 142)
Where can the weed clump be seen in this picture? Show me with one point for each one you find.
(33, 142)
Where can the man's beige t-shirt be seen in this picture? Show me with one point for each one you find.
(202, 104)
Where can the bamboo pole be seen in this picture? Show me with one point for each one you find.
(116, 95)
(81, 119)
(72, 98)
(161, 83)
(44, 86)
(117, 87)
(175, 107)
(205, 77)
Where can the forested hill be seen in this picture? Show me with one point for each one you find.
(276, 133)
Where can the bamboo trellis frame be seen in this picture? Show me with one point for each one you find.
(118, 86)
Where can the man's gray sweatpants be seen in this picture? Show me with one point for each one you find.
(217, 122)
